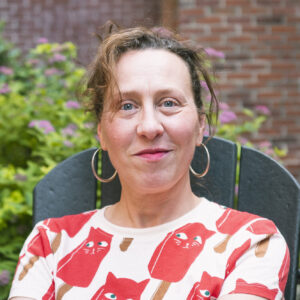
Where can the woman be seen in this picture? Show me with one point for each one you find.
(160, 241)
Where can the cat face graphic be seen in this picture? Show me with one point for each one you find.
(179, 249)
(94, 247)
(208, 288)
(120, 289)
(79, 266)
(187, 241)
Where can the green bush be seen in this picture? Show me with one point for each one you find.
(41, 123)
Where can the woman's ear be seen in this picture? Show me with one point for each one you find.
(101, 137)
(201, 128)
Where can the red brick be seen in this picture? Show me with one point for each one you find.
(209, 20)
(241, 39)
(238, 76)
(192, 12)
(254, 29)
(283, 28)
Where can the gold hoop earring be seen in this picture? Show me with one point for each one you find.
(207, 166)
(95, 173)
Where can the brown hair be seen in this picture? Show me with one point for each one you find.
(115, 41)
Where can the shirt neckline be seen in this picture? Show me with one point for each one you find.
(153, 230)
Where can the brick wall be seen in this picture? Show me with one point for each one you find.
(261, 41)
(260, 38)
(71, 20)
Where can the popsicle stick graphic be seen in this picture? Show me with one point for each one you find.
(28, 266)
(63, 290)
(161, 290)
(262, 247)
(125, 244)
(70, 224)
(221, 247)
(173, 257)
(262, 226)
(79, 267)
(39, 247)
(56, 242)
(229, 223)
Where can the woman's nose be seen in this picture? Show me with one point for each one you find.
(150, 125)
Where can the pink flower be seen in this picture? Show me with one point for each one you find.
(265, 144)
(69, 130)
(4, 277)
(5, 70)
(213, 52)
(242, 140)
(52, 71)
(68, 144)
(204, 85)
(4, 89)
(72, 104)
(227, 117)
(57, 57)
(262, 109)
(42, 40)
(88, 125)
(223, 106)
(33, 61)
(45, 125)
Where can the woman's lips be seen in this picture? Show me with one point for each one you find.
(152, 154)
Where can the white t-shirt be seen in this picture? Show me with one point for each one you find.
(209, 252)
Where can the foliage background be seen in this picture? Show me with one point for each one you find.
(42, 123)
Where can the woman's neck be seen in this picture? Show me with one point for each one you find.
(142, 210)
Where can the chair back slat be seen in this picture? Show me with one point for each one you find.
(218, 184)
(111, 191)
(269, 190)
(69, 188)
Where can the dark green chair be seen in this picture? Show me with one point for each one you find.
(264, 187)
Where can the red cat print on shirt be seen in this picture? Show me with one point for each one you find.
(263, 226)
(120, 289)
(242, 287)
(208, 288)
(79, 267)
(235, 255)
(174, 255)
(70, 224)
(229, 223)
(39, 246)
(50, 294)
(284, 270)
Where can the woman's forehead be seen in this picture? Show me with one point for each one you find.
(152, 69)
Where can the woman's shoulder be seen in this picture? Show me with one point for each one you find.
(70, 223)
(230, 221)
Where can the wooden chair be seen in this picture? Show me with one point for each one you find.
(264, 188)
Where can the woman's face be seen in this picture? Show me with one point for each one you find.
(152, 136)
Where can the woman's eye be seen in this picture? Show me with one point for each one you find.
(168, 103)
(127, 106)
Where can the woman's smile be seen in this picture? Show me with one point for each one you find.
(153, 154)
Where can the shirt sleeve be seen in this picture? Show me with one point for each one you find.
(258, 262)
(34, 273)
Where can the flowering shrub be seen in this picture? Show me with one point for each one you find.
(42, 123)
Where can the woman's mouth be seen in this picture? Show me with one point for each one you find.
(152, 154)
